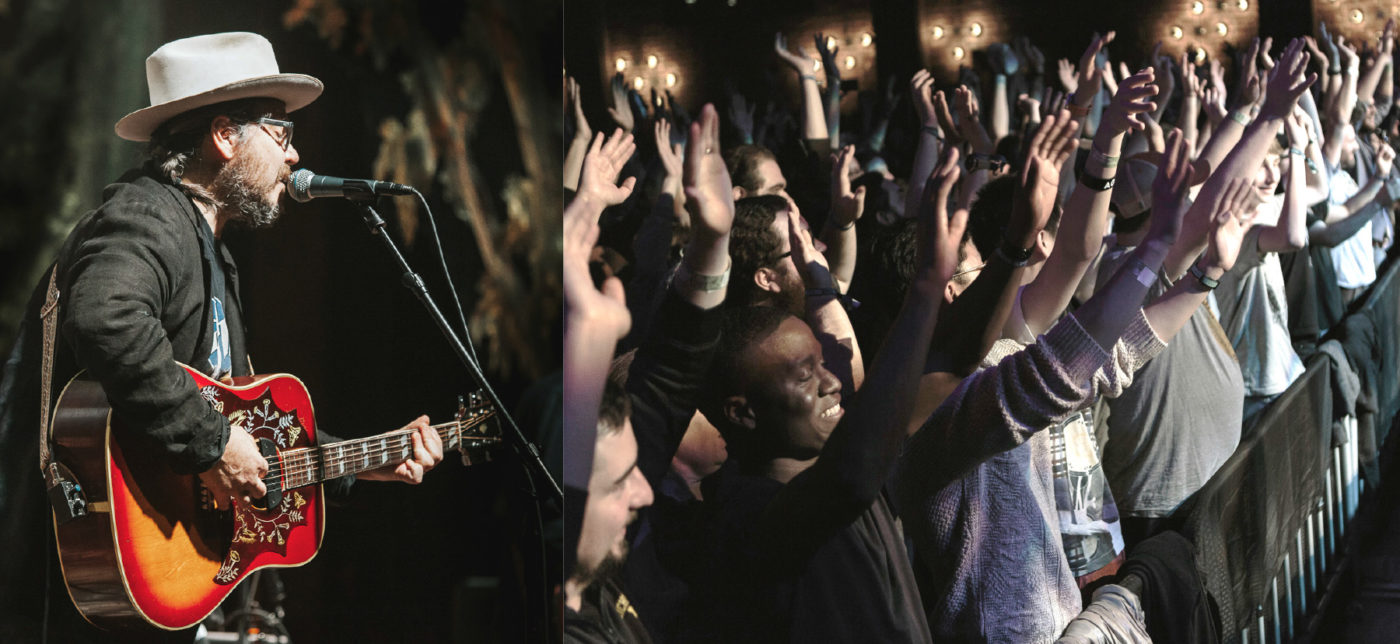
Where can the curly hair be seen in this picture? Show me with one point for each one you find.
(752, 245)
(743, 328)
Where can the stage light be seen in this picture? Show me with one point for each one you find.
(1200, 55)
(1176, 32)
(651, 61)
(866, 39)
(1243, 5)
(638, 83)
(830, 43)
(975, 29)
(1197, 7)
(937, 32)
(670, 80)
(850, 62)
(733, 2)
(1357, 16)
(620, 64)
(958, 53)
(1221, 29)
(816, 65)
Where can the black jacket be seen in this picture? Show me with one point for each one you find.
(134, 279)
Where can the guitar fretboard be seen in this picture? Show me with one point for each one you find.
(301, 467)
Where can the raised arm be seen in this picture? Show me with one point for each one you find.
(839, 231)
(825, 312)
(832, 99)
(578, 145)
(813, 112)
(1380, 65)
(594, 321)
(1286, 83)
(1346, 219)
(1086, 214)
(703, 275)
(1291, 231)
(921, 94)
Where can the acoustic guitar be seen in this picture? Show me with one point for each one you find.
(155, 548)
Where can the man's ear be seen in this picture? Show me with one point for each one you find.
(738, 413)
(223, 134)
(949, 293)
(740, 193)
(767, 280)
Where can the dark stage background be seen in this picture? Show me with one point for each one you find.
(457, 98)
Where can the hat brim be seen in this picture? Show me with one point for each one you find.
(294, 90)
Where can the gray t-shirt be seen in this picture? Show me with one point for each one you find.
(1254, 314)
(1179, 420)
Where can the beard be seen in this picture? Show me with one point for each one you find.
(792, 297)
(243, 193)
(606, 569)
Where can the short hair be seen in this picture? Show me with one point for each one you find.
(743, 161)
(990, 214)
(743, 328)
(615, 409)
(176, 143)
(752, 244)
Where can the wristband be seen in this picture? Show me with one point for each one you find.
(932, 131)
(1077, 111)
(702, 283)
(847, 302)
(986, 162)
(1296, 151)
(810, 77)
(847, 226)
(1104, 160)
(1239, 117)
(1097, 184)
(1016, 257)
(1144, 275)
(1200, 276)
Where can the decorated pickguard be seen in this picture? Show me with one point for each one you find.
(262, 536)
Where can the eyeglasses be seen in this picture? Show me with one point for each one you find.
(970, 270)
(285, 139)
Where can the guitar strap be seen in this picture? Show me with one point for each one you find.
(49, 316)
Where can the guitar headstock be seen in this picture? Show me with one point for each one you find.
(476, 437)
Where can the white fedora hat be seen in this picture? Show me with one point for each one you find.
(204, 70)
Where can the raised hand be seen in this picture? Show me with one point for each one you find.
(1051, 102)
(670, 156)
(1068, 77)
(1233, 217)
(939, 234)
(1193, 88)
(1214, 103)
(1131, 105)
(828, 54)
(1030, 107)
(846, 205)
(811, 264)
(802, 64)
(582, 131)
(1032, 56)
(1333, 54)
(620, 112)
(1169, 190)
(1249, 82)
(1091, 75)
(1347, 54)
(1052, 144)
(601, 167)
(708, 190)
(969, 126)
(1385, 159)
(921, 90)
(1265, 62)
(945, 118)
(583, 302)
(1287, 82)
(740, 114)
(1296, 127)
(1217, 78)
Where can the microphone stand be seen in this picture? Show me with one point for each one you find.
(413, 282)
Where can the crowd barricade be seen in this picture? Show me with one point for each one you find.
(1270, 527)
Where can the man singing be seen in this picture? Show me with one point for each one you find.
(144, 282)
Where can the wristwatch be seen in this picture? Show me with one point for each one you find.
(1200, 276)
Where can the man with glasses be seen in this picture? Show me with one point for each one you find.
(145, 281)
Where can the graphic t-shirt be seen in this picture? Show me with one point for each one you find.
(220, 358)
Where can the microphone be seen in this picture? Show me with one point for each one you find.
(305, 185)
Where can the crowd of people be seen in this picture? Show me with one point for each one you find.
(950, 406)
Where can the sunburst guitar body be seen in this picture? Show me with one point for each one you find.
(155, 549)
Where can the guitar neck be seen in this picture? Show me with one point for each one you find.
(301, 467)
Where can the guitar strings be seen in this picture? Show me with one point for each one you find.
(361, 450)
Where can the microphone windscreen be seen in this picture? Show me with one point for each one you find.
(299, 185)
